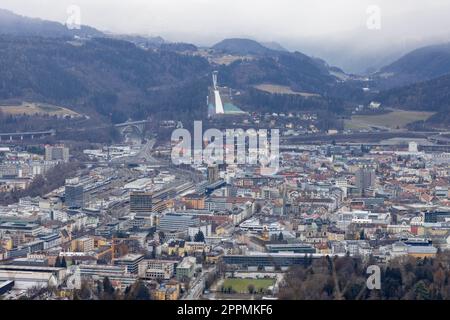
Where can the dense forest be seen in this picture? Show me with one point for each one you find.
(110, 78)
(432, 95)
(344, 278)
(300, 72)
(267, 102)
(420, 65)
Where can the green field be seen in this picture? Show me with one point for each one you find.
(397, 119)
(277, 89)
(241, 285)
(33, 108)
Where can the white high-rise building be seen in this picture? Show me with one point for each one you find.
(412, 147)
(56, 153)
(365, 179)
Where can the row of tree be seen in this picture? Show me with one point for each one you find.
(104, 290)
(345, 278)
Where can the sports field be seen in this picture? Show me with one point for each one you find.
(241, 285)
(33, 108)
(397, 119)
(277, 89)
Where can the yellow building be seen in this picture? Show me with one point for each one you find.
(213, 258)
(422, 255)
(193, 247)
(335, 236)
(168, 292)
(6, 244)
(99, 242)
(436, 232)
(175, 249)
(193, 201)
(421, 231)
(65, 293)
(172, 294)
(221, 230)
(84, 244)
(159, 294)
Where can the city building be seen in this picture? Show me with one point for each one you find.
(365, 179)
(290, 248)
(25, 228)
(177, 222)
(141, 202)
(157, 269)
(118, 275)
(213, 173)
(84, 244)
(27, 277)
(186, 269)
(56, 153)
(131, 261)
(74, 195)
(268, 259)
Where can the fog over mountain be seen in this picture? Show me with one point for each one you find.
(333, 30)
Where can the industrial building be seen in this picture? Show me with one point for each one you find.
(74, 195)
(26, 277)
(290, 248)
(131, 261)
(268, 259)
(56, 153)
(155, 201)
(177, 222)
(157, 269)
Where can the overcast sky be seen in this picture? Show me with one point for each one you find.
(265, 19)
(293, 23)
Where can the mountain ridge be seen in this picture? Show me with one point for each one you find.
(139, 76)
(419, 65)
(242, 46)
(14, 24)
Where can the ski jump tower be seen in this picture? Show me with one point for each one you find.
(217, 99)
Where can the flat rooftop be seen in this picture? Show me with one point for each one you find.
(130, 257)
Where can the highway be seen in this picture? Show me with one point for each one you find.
(357, 137)
(143, 156)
